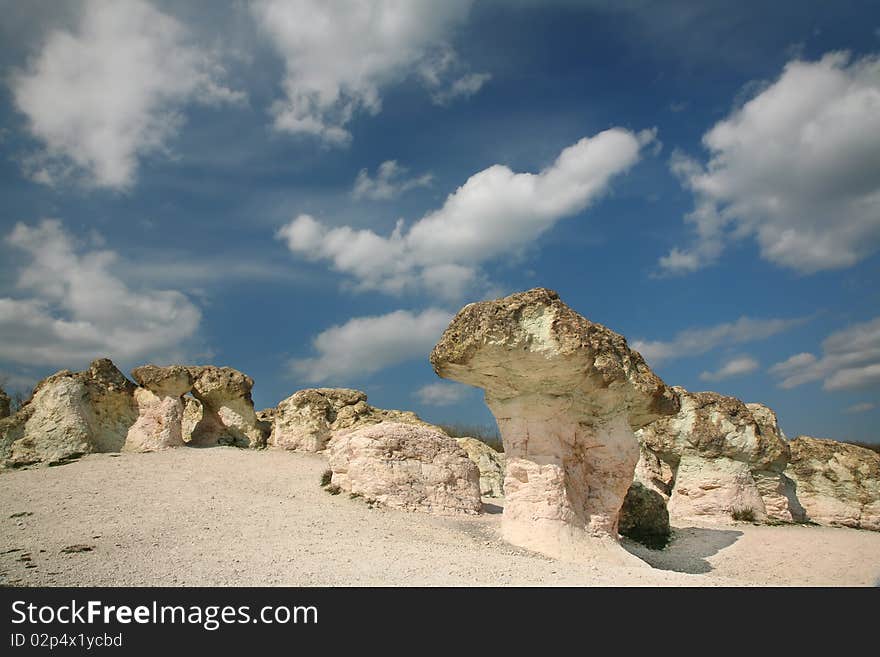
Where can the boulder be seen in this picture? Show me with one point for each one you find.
(68, 415)
(837, 483)
(406, 466)
(160, 407)
(490, 464)
(193, 412)
(308, 419)
(5, 404)
(718, 457)
(566, 394)
(267, 415)
(227, 409)
(644, 517)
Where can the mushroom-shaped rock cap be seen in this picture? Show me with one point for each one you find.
(531, 342)
(215, 383)
(171, 381)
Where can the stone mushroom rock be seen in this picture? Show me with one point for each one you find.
(68, 415)
(490, 463)
(227, 409)
(309, 419)
(718, 457)
(837, 483)
(5, 403)
(160, 405)
(566, 394)
(406, 466)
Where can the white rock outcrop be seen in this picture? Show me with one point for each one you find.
(406, 466)
(227, 409)
(160, 405)
(201, 406)
(490, 463)
(308, 419)
(837, 483)
(68, 415)
(718, 457)
(566, 394)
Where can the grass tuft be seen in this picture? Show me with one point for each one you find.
(746, 515)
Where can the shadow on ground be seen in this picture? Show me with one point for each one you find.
(687, 551)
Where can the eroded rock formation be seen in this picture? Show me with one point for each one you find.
(718, 457)
(219, 411)
(70, 414)
(490, 463)
(227, 409)
(308, 419)
(566, 394)
(5, 404)
(160, 407)
(837, 483)
(406, 466)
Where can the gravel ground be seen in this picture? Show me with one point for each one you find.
(230, 517)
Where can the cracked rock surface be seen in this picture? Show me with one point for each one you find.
(406, 466)
(838, 484)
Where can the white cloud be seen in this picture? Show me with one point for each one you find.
(797, 167)
(438, 73)
(78, 310)
(862, 407)
(737, 366)
(365, 345)
(338, 56)
(850, 360)
(696, 341)
(390, 182)
(112, 92)
(441, 393)
(495, 212)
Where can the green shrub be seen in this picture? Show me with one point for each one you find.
(482, 432)
(326, 478)
(746, 515)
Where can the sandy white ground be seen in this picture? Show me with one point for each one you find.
(229, 517)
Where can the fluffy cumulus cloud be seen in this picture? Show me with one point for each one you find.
(495, 212)
(797, 167)
(338, 57)
(696, 341)
(737, 366)
(70, 308)
(441, 393)
(391, 181)
(850, 360)
(102, 97)
(365, 345)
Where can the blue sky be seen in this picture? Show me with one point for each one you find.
(308, 191)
